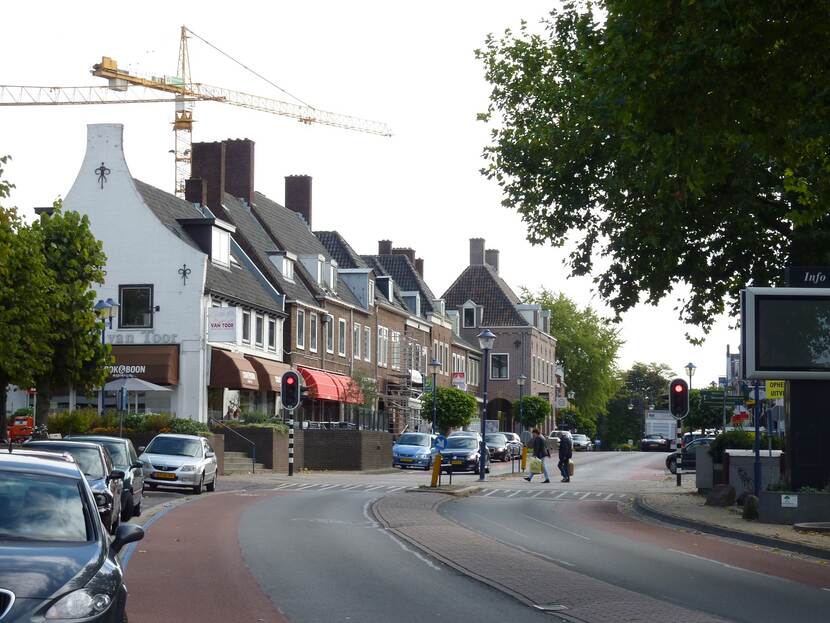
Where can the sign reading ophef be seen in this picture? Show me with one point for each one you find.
(222, 324)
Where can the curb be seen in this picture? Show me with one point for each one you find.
(463, 492)
(641, 507)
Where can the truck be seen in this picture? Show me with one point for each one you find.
(659, 422)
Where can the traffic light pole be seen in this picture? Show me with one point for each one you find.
(291, 443)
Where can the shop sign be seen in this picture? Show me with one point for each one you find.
(222, 324)
(122, 370)
(142, 337)
(775, 390)
(459, 380)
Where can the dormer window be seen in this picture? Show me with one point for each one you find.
(371, 293)
(321, 264)
(469, 317)
(288, 268)
(333, 276)
(220, 247)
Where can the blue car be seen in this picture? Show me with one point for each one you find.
(414, 450)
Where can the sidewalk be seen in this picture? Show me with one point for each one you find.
(687, 508)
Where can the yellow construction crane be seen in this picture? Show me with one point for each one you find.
(126, 88)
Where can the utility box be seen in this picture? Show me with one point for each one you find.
(742, 469)
(704, 468)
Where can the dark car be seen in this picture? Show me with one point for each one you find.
(655, 442)
(498, 446)
(95, 463)
(461, 454)
(689, 452)
(124, 458)
(56, 559)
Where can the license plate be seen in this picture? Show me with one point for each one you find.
(163, 476)
(457, 462)
(406, 460)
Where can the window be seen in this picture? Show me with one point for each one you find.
(473, 371)
(312, 333)
(288, 268)
(499, 366)
(259, 330)
(341, 337)
(333, 277)
(272, 334)
(220, 247)
(356, 341)
(300, 328)
(383, 347)
(246, 326)
(416, 358)
(371, 292)
(329, 334)
(135, 307)
(367, 343)
(445, 360)
(396, 350)
(320, 266)
(469, 317)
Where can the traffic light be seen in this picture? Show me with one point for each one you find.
(290, 390)
(679, 398)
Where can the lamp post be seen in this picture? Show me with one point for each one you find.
(690, 372)
(520, 381)
(486, 339)
(434, 365)
(106, 310)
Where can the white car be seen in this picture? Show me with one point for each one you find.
(179, 461)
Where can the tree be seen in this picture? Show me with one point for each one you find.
(533, 411)
(703, 413)
(75, 261)
(24, 310)
(586, 346)
(640, 387)
(574, 421)
(454, 408)
(684, 142)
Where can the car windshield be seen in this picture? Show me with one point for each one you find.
(176, 446)
(496, 439)
(88, 459)
(413, 439)
(118, 453)
(468, 443)
(580, 438)
(34, 507)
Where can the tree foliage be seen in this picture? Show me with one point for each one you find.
(683, 141)
(641, 386)
(586, 346)
(574, 421)
(532, 412)
(75, 262)
(453, 408)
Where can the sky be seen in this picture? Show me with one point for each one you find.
(411, 65)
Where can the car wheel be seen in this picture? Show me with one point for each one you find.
(672, 464)
(136, 509)
(198, 488)
(212, 484)
(128, 509)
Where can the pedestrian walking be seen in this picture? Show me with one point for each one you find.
(566, 448)
(540, 451)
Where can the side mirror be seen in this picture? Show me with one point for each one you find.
(126, 533)
(209, 454)
(141, 449)
(116, 474)
(137, 465)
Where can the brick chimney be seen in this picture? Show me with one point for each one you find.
(298, 195)
(208, 163)
(239, 168)
(384, 247)
(476, 251)
(407, 251)
(491, 257)
(195, 191)
(419, 266)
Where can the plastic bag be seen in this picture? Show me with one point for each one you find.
(535, 465)
(570, 467)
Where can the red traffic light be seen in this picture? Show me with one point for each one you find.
(678, 388)
(289, 380)
(679, 398)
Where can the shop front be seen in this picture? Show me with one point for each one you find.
(333, 400)
(233, 384)
(156, 363)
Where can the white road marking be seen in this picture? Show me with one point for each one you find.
(555, 527)
(608, 497)
(360, 484)
(490, 492)
(284, 485)
(584, 496)
(718, 562)
(516, 492)
(328, 487)
(375, 487)
(538, 493)
(560, 495)
(306, 486)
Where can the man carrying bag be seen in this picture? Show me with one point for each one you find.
(540, 451)
(566, 447)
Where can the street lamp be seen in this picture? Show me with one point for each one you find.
(486, 339)
(106, 310)
(520, 381)
(690, 372)
(434, 365)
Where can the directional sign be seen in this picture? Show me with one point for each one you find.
(775, 390)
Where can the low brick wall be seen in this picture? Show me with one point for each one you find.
(346, 449)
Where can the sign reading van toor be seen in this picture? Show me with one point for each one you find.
(222, 324)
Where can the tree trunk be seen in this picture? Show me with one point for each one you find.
(44, 398)
(4, 384)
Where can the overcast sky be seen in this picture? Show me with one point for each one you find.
(409, 64)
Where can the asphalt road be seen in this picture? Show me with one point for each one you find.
(719, 577)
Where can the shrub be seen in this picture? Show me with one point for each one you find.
(188, 427)
(69, 422)
(739, 440)
(280, 426)
(255, 417)
(25, 411)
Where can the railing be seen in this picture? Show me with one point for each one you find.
(241, 436)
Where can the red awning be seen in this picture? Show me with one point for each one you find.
(331, 386)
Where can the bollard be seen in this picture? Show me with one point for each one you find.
(524, 458)
(436, 470)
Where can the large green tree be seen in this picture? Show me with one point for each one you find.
(24, 311)
(640, 387)
(453, 408)
(531, 411)
(684, 142)
(75, 262)
(586, 346)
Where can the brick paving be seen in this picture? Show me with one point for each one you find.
(414, 517)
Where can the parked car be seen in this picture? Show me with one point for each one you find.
(125, 458)
(465, 433)
(56, 559)
(655, 442)
(414, 450)
(689, 453)
(515, 443)
(498, 446)
(581, 443)
(461, 454)
(94, 462)
(179, 461)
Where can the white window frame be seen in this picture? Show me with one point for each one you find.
(220, 247)
(357, 337)
(313, 331)
(499, 378)
(272, 333)
(367, 343)
(396, 350)
(246, 313)
(299, 331)
(371, 293)
(329, 335)
(259, 336)
(464, 317)
(341, 337)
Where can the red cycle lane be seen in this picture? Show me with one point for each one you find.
(189, 568)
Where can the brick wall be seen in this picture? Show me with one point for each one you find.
(346, 450)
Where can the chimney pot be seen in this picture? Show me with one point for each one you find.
(239, 169)
(407, 251)
(491, 256)
(419, 266)
(195, 191)
(298, 195)
(384, 247)
(476, 251)
(208, 163)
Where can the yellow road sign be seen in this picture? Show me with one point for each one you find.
(775, 390)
